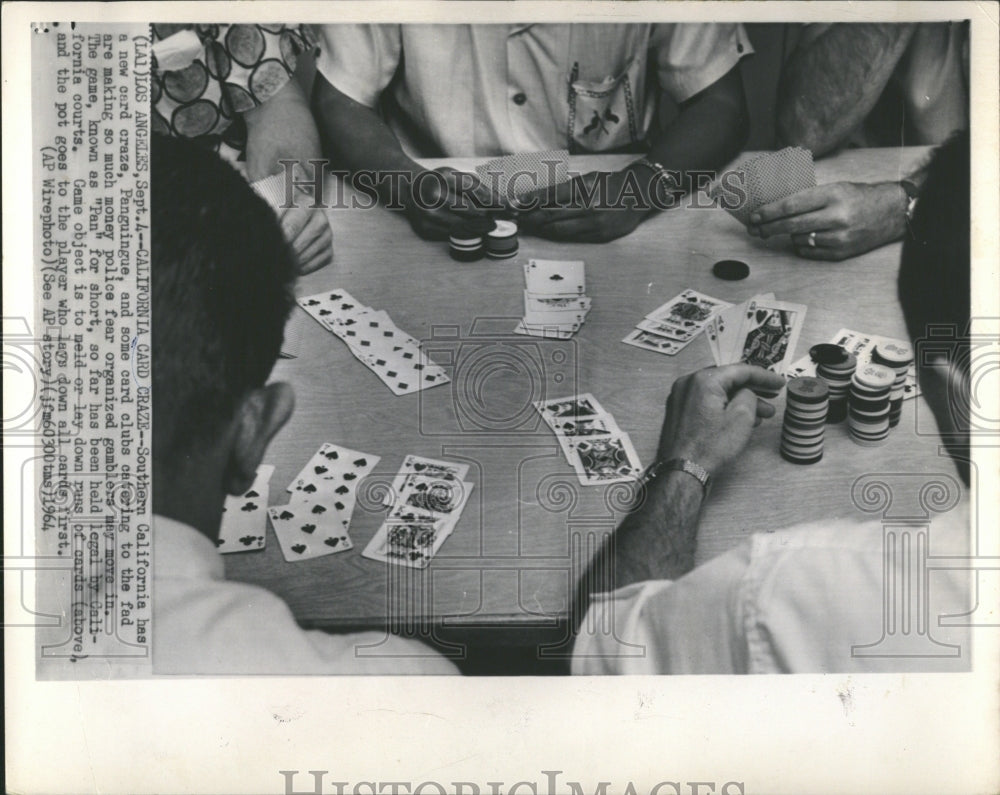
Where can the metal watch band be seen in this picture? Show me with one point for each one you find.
(696, 471)
(663, 177)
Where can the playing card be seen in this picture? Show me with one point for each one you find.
(415, 466)
(554, 277)
(514, 175)
(244, 517)
(767, 178)
(309, 530)
(551, 331)
(571, 318)
(667, 330)
(574, 407)
(440, 497)
(689, 311)
(332, 305)
(404, 373)
(332, 476)
(544, 303)
(724, 327)
(769, 333)
(654, 342)
(605, 459)
(412, 543)
(568, 430)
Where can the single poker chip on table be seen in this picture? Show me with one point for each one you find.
(828, 353)
(731, 270)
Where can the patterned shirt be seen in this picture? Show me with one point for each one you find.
(205, 77)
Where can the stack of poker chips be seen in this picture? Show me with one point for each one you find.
(805, 420)
(834, 366)
(501, 241)
(897, 357)
(868, 413)
(466, 239)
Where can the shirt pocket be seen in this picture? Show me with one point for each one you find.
(603, 115)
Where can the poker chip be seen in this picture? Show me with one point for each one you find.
(898, 356)
(732, 270)
(501, 241)
(465, 241)
(835, 367)
(868, 405)
(804, 423)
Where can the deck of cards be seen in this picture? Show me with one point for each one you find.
(760, 331)
(597, 449)
(670, 328)
(515, 175)
(393, 355)
(861, 346)
(317, 519)
(765, 179)
(425, 504)
(244, 521)
(555, 300)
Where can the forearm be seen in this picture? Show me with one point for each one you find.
(354, 135)
(709, 130)
(830, 86)
(280, 129)
(655, 542)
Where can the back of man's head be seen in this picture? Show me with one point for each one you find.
(221, 278)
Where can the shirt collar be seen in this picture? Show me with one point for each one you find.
(181, 552)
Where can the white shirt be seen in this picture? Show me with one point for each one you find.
(500, 89)
(204, 624)
(797, 600)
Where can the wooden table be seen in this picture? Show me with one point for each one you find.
(508, 563)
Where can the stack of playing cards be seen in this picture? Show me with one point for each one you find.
(316, 521)
(425, 505)
(393, 355)
(671, 328)
(243, 517)
(591, 440)
(760, 331)
(515, 175)
(861, 346)
(555, 304)
(765, 179)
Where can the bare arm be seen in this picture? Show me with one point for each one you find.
(829, 87)
(280, 128)
(710, 416)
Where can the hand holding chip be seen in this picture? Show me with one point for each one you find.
(835, 221)
(435, 200)
(712, 412)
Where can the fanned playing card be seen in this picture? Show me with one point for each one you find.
(554, 277)
(574, 407)
(244, 517)
(332, 476)
(769, 333)
(412, 543)
(654, 342)
(605, 459)
(515, 175)
(765, 179)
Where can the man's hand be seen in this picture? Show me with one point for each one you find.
(308, 233)
(842, 219)
(587, 209)
(711, 413)
(435, 200)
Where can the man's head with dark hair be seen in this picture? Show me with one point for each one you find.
(221, 279)
(935, 284)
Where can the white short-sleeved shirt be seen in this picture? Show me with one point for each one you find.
(807, 599)
(467, 90)
(205, 624)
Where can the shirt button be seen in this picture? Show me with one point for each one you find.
(520, 99)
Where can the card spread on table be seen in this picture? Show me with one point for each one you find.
(671, 327)
(860, 345)
(765, 179)
(589, 438)
(244, 517)
(426, 502)
(555, 303)
(309, 530)
(515, 175)
(396, 357)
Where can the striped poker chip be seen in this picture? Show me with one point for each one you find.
(893, 354)
(874, 376)
(806, 390)
(793, 459)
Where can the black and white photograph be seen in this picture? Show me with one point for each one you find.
(423, 397)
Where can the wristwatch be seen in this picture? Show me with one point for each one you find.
(696, 471)
(664, 177)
